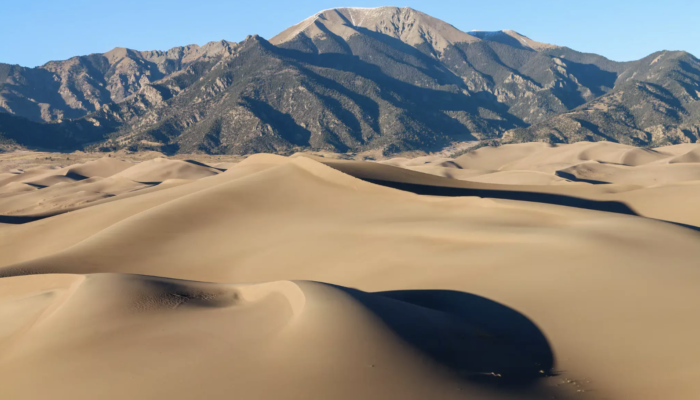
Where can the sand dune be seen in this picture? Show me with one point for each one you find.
(548, 158)
(595, 171)
(13, 188)
(73, 187)
(692, 156)
(160, 169)
(48, 176)
(287, 336)
(314, 278)
(66, 195)
(28, 175)
(104, 167)
(531, 178)
(679, 149)
(646, 175)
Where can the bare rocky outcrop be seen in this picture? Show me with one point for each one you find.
(73, 88)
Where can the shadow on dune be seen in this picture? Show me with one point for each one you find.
(693, 227)
(19, 219)
(536, 197)
(484, 341)
(75, 176)
(574, 178)
(36, 185)
(201, 164)
(548, 198)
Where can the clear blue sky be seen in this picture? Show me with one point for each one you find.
(36, 31)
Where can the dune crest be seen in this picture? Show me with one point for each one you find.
(377, 335)
(543, 271)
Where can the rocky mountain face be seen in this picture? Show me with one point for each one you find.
(655, 101)
(349, 80)
(73, 88)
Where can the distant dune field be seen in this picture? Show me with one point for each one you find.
(524, 271)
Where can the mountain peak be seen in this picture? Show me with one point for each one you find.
(406, 24)
(512, 38)
(116, 53)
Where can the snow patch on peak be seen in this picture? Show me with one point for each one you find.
(406, 24)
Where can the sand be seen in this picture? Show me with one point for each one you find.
(310, 277)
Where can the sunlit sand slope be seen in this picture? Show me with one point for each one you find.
(304, 278)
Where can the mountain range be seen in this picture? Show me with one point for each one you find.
(349, 79)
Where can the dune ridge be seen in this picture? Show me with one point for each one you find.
(311, 278)
(331, 319)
